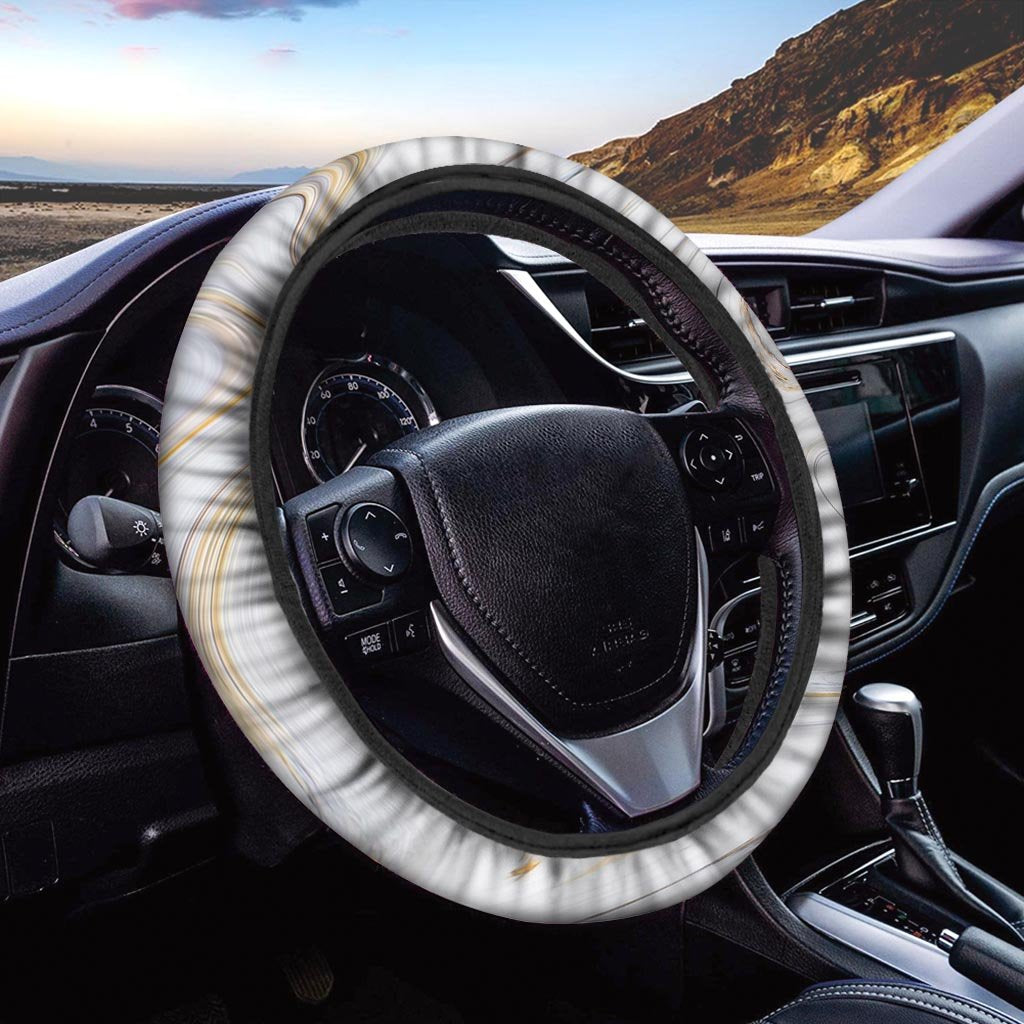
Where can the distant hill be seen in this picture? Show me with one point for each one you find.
(15, 176)
(30, 168)
(270, 176)
(835, 114)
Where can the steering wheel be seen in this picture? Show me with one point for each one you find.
(558, 551)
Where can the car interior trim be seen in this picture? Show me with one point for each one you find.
(528, 286)
(914, 957)
(629, 768)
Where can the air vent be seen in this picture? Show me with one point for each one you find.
(834, 299)
(616, 332)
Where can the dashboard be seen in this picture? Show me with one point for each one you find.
(914, 367)
(404, 334)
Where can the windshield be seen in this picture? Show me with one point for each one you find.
(748, 116)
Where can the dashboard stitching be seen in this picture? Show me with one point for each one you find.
(501, 630)
(193, 215)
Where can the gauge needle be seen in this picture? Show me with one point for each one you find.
(355, 458)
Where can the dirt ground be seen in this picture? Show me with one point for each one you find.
(758, 222)
(32, 234)
(42, 222)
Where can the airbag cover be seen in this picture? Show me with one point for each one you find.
(562, 542)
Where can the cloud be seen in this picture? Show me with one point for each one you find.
(138, 54)
(283, 53)
(143, 10)
(12, 17)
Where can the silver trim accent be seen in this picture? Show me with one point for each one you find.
(869, 348)
(842, 385)
(716, 677)
(811, 357)
(911, 956)
(640, 769)
(527, 284)
(893, 699)
(870, 547)
(862, 619)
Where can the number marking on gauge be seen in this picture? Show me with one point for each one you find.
(355, 408)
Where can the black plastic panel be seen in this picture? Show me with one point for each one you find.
(73, 699)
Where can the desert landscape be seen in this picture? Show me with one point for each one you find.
(42, 221)
(835, 114)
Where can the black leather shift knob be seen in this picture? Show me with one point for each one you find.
(887, 720)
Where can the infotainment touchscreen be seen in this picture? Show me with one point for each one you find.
(851, 442)
(863, 414)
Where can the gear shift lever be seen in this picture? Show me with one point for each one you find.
(888, 722)
(887, 719)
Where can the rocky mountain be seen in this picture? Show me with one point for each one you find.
(835, 114)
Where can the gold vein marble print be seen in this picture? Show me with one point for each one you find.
(225, 589)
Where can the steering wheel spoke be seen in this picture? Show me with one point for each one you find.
(357, 551)
(638, 770)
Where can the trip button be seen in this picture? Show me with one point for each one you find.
(370, 644)
(756, 478)
(377, 540)
(321, 534)
(346, 593)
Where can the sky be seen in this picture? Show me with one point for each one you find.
(182, 89)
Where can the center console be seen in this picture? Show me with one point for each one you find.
(911, 903)
(890, 413)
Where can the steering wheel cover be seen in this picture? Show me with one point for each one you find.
(227, 594)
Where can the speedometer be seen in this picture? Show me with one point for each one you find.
(355, 408)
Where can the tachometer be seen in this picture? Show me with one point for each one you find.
(355, 408)
(114, 453)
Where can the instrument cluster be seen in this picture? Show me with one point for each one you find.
(355, 407)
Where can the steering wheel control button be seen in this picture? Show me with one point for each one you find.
(345, 592)
(725, 536)
(756, 527)
(321, 534)
(411, 633)
(712, 458)
(377, 540)
(739, 667)
(756, 478)
(371, 644)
